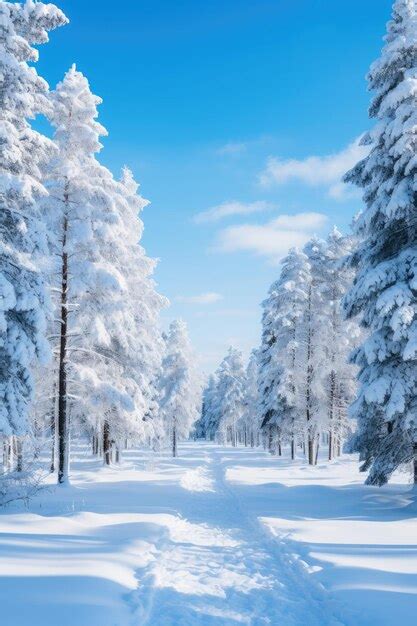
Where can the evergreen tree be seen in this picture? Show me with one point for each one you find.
(249, 423)
(87, 284)
(229, 402)
(23, 151)
(281, 381)
(385, 289)
(205, 428)
(180, 392)
(338, 337)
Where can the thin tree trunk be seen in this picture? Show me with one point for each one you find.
(19, 454)
(310, 450)
(174, 442)
(53, 430)
(331, 450)
(106, 443)
(293, 449)
(415, 462)
(63, 430)
(316, 458)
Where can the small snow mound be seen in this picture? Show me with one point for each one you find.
(197, 479)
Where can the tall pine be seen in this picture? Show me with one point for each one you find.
(385, 289)
(23, 95)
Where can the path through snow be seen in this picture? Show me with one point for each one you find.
(224, 570)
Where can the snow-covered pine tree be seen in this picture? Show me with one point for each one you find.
(229, 401)
(23, 95)
(339, 337)
(136, 333)
(204, 428)
(249, 424)
(281, 357)
(311, 351)
(180, 389)
(385, 289)
(87, 284)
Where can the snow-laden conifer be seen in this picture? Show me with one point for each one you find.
(339, 337)
(385, 289)
(230, 391)
(206, 427)
(84, 217)
(180, 388)
(249, 423)
(23, 95)
(282, 356)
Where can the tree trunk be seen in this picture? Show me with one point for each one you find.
(316, 458)
(63, 430)
(174, 442)
(53, 431)
(117, 454)
(330, 444)
(106, 443)
(270, 441)
(19, 454)
(310, 450)
(415, 462)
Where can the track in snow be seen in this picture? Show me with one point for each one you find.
(218, 567)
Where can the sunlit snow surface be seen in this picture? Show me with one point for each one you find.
(218, 537)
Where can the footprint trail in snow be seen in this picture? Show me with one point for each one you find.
(217, 567)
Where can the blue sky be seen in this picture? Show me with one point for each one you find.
(219, 107)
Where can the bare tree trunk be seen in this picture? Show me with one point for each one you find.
(106, 443)
(331, 449)
(63, 429)
(117, 454)
(174, 442)
(53, 430)
(293, 449)
(310, 450)
(316, 458)
(270, 441)
(19, 454)
(415, 462)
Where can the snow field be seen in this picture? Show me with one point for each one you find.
(217, 537)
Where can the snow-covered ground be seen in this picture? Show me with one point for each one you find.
(218, 537)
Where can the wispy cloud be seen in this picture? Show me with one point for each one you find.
(229, 209)
(233, 148)
(203, 298)
(273, 239)
(315, 171)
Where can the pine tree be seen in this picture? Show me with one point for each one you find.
(229, 402)
(281, 359)
(205, 427)
(385, 289)
(87, 284)
(23, 300)
(180, 391)
(339, 337)
(249, 423)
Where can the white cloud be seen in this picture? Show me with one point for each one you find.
(273, 239)
(203, 298)
(229, 209)
(233, 148)
(316, 171)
